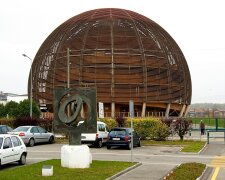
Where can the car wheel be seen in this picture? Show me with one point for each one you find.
(108, 147)
(31, 142)
(129, 146)
(99, 143)
(22, 160)
(51, 140)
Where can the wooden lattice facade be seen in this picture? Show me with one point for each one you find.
(123, 54)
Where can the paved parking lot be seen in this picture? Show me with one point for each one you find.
(156, 161)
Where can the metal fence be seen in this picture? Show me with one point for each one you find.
(210, 123)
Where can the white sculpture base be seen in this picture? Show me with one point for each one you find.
(75, 156)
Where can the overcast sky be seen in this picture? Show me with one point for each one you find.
(198, 27)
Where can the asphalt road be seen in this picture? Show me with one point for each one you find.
(157, 161)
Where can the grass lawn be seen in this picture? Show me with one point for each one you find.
(98, 170)
(188, 145)
(187, 171)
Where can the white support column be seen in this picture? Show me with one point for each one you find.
(113, 109)
(182, 111)
(143, 109)
(187, 110)
(167, 110)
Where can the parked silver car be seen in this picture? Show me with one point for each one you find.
(12, 149)
(33, 134)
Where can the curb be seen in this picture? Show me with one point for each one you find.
(171, 171)
(207, 171)
(124, 171)
(202, 148)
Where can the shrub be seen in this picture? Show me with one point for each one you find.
(27, 121)
(180, 126)
(111, 123)
(9, 122)
(143, 126)
(151, 128)
(46, 123)
(121, 121)
(160, 131)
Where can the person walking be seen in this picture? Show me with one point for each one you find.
(202, 127)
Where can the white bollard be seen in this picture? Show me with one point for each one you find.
(47, 170)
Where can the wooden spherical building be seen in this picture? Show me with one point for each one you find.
(123, 54)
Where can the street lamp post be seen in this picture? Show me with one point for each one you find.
(31, 84)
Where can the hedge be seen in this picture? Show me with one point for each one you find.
(147, 128)
(8, 122)
(27, 121)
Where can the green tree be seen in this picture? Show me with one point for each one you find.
(2, 111)
(23, 109)
(11, 108)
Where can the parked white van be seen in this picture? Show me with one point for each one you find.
(97, 139)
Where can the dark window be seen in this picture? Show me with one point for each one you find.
(7, 143)
(101, 127)
(16, 141)
(9, 128)
(41, 130)
(118, 132)
(34, 130)
(4, 129)
(21, 128)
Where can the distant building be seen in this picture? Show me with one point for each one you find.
(3, 97)
(7, 97)
(206, 113)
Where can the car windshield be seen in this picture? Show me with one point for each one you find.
(1, 139)
(21, 128)
(118, 132)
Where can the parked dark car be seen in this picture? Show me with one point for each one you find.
(121, 136)
(4, 129)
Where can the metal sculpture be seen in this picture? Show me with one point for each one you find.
(68, 104)
(123, 54)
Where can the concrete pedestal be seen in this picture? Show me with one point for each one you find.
(75, 156)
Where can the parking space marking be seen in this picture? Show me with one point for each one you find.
(218, 162)
(215, 173)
